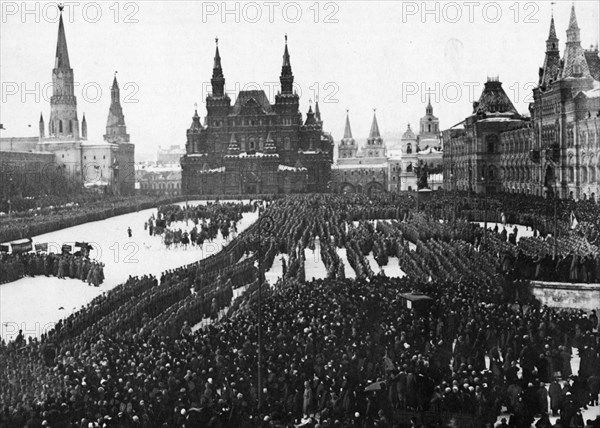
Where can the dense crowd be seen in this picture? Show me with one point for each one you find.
(16, 266)
(336, 352)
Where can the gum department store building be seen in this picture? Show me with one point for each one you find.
(556, 150)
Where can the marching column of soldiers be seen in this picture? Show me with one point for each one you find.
(16, 266)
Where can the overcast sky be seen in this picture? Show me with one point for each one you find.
(353, 55)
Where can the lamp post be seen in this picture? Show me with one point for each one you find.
(10, 186)
(483, 182)
(265, 226)
(554, 250)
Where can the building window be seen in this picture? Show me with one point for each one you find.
(103, 157)
(60, 129)
(409, 148)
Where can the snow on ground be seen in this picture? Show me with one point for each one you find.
(32, 304)
(314, 268)
(522, 231)
(373, 263)
(391, 270)
(276, 271)
(348, 269)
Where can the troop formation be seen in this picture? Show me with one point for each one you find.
(350, 349)
(16, 266)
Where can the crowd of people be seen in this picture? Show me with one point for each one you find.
(16, 266)
(335, 352)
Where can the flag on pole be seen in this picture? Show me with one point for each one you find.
(574, 221)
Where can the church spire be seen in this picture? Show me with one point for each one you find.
(287, 77)
(429, 108)
(218, 79)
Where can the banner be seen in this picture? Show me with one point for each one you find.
(574, 221)
(42, 246)
(21, 246)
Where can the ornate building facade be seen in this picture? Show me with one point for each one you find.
(554, 151)
(362, 170)
(477, 156)
(253, 146)
(108, 164)
(393, 167)
(415, 152)
(566, 118)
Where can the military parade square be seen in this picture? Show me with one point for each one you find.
(299, 214)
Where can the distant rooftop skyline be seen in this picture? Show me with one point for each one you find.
(366, 60)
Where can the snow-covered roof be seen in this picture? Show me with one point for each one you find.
(290, 168)
(256, 154)
(359, 166)
(101, 144)
(499, 119)
(208, 171)
(429, 151)
(157, 168)
(95, 183)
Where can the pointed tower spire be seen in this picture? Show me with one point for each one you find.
(218, 79)
(573, 30)
(552, 33)
(196, 125)
(84, 128)
(42, 127)
(347, 147)
(374, 133)
(62, 53)
(286, 78)
(310, 116)
(116, 130)
(286, 55)
(347, 129)
(429, 108)
(552, 59)
(114, 91)
(575, 64)
(63, 121)
(217, 63)
(317, 111)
